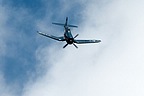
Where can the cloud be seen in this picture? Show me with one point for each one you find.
(3, 18)
(113, 68)
(15, 66)
(5, 89)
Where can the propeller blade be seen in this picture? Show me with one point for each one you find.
(76, 35)
(65, 45)
(75, 45)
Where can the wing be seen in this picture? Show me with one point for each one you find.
(87, 41)
(52, 37)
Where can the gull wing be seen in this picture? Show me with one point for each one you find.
(86, 41)
(52, 37)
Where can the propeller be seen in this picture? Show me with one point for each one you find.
(65, 45)
(75, 45)
(76, 35)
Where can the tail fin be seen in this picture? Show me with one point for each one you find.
(66, 24)
(66, 21)
(61, 23)
(69, 24)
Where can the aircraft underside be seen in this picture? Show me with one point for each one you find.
(68, 36)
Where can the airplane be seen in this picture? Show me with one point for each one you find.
(68, 37)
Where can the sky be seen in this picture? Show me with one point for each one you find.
(32, 65)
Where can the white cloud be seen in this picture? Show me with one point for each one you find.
(8, 34)
(113, 68)
(5, 89)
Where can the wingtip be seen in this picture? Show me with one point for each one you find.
(99, 41)
(38, 31)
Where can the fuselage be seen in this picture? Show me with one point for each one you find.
(68, 35)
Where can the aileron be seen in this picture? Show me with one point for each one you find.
(87, 41)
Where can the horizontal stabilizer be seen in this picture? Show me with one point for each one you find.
(58, 24)
(73, 26)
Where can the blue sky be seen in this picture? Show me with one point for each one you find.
(22, 42)
(20, 56)
(32, 65)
